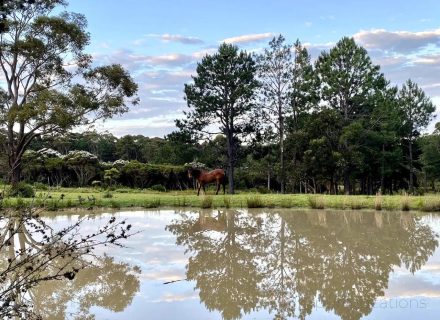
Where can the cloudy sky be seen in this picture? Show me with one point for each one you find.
(160, 42)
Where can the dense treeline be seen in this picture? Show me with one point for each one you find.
(285, 124)
(333, 126)
(257, 167)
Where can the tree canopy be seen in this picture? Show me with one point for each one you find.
(51, 83)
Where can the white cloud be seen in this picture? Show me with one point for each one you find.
(179, 38)
(154, 125)
(136, 62)
(166, 37)
(398, 41)
(249, 38)
(408, 286)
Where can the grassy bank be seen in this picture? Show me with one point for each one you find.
(125, 198)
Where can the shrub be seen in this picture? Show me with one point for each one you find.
(107, 195)
(158, 187)
(114, 204)
(378, 202)
(23, 190)
(254, 202)
(180, 202)
(20, 204)
(263, 190)
(286, 203)
(227, 201)
(431, 204)
(405, 202)
(40, 186)
(206, 202)
(52, 205)
(355, 203)
(316, 202)
(154, 203)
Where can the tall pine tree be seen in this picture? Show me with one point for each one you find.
(222, 96)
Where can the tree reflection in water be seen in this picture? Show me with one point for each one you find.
(101, 281)
(285, 262)
(105, 283)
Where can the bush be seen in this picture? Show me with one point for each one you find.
(263, 190)
(107, 195)
(227, 201)
(52, 205)
(115, 205)
(286, 203)
(431, 204)
(378, 202)
(356, 204)
(316, 202)
(181, 202)
(255, 202)
(23, 190)
(40, 186)
(405, 202)
(158, 187)
(206, 202)
(154, 203)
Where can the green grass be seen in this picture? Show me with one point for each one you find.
(89, 198)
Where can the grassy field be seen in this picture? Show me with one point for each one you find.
(90, 198)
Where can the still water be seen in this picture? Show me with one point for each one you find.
(269, 264)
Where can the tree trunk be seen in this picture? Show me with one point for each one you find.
(268, 179)
(346, 182)
(282, 171)
(15, 175)
(15, 167)
(382, 171)
(411, 182)
(230, 163)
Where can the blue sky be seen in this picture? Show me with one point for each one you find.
(160, 42)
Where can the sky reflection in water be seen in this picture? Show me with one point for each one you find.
(276, 264)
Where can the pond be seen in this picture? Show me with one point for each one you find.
(262, 264)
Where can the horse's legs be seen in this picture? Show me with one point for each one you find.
(218, 187)
(198, 190)
(204, 191)
(224, 185)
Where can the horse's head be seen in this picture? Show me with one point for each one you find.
(194, 172)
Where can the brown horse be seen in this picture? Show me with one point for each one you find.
(204, 177)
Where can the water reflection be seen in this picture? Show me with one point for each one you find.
(285, 262)
(104, 282)
(107, 284)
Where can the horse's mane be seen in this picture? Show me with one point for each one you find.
(196, 172)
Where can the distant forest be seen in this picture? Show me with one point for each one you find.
(257, 166)
(276, 122)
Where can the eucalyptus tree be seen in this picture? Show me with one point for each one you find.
(348, 80)
(50, 85)
(275, 71)
(222, 97)
(418, 111)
